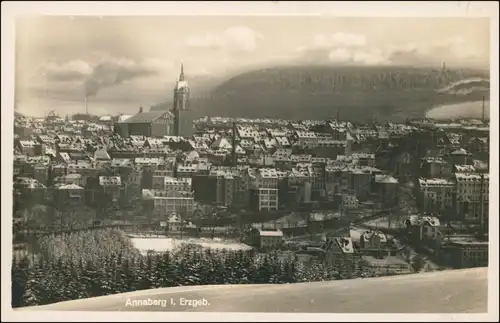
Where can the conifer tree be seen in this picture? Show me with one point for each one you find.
(20, 271)
(156, 274)
(264, 272)
(33, 291)
(90, 279)
(142, 277)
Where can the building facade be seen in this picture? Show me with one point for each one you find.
(472, 200)
(436, 194)
(155, 124)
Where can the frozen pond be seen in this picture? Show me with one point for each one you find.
(162, 244)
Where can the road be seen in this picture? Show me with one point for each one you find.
(460, 291)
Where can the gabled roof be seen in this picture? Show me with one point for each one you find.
(123, 117)
(145, 117)
(459, 152)
(221, 143)
(415, 220)
(193, 154)
(101, 154)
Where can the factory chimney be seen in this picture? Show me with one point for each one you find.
(86, 105)
(482, 226)
(482, 115)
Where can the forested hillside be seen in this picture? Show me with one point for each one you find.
(317, 92)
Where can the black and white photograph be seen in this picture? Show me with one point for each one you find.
(250, 163)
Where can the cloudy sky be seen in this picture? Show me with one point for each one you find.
(122, 63)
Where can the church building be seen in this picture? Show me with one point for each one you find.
(150, 124)
(183, 120)
(176, 122)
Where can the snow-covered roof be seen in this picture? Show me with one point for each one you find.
(385, 179)
(110, 180)
(70, 187)
(270, 233)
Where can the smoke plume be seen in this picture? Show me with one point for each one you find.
(114, 72)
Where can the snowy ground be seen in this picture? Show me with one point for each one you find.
(163, 244)
(457, 291)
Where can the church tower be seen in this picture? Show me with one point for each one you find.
(181, 101)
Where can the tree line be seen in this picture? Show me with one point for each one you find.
(351, 78)
(103, 262)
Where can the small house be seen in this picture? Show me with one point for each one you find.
(265, 239)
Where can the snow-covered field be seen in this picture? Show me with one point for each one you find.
(162, 243)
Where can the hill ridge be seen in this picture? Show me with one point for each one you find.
(300, 92)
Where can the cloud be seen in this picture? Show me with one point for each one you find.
(341, 48)
(453, 50)
(340, 55)
(150, 78)
(234, 39)
(68, 71)
(338, 40)
(368, 56)
(346, 48)
(116, 71)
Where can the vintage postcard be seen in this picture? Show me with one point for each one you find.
(250, 161)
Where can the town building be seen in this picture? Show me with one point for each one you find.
(436, 195)
(150, 124)
(69, 196)
(458, 157)
(472, 199)
(166, 203)
(349, 201)
(386, 187)
(219, 187)
(26, 147)
(435, 167)
(168, 183)
(264, 199)
(373, 240)
(466, 253)
(264, 239)
(360, 181)
(424, 229)
(338, 250)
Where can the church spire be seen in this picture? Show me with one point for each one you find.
(181, 76)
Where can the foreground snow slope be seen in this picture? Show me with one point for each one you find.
(458, 291)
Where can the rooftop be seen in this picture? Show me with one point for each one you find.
(385, 179)
(146, 117)
(435, 182)
(110, 180)
(270, 233)
(70, 187)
